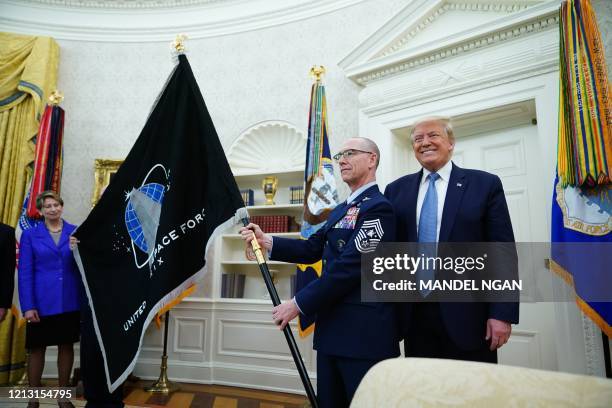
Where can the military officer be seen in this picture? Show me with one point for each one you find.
(350, 336)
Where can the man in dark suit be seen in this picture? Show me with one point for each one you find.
(350, 336)
(445, 203)
(7, 268)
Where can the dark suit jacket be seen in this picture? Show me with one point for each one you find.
(345, 326)
(49, 279)
(7, 265)
(475, 210)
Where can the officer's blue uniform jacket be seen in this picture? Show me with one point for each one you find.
(346, 326)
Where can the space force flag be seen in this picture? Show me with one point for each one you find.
(146, 240)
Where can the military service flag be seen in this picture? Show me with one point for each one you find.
(581, 231)
(320, 193)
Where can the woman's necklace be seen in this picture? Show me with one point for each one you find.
(61, 227)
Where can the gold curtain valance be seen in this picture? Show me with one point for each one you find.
(28, 65)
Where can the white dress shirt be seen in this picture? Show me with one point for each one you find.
(441, 187)
(360, 190)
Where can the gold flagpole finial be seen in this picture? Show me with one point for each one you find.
(56, 98)
(179, 43)
(317, 72)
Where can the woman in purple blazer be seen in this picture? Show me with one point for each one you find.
(49, 287)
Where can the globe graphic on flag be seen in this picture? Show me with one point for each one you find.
(155, 192)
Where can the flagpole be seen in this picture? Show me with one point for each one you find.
(163, 385)
(295, 352)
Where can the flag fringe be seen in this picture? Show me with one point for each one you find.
(163, 89)
(173, 303)
(306, 332)
(582, 305)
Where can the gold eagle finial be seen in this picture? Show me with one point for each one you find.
(317, 72)
(56, 98)
(179, 43)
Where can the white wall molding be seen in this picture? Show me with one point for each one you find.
(485, 69)
(271, 379)
(488, 7)
(237, 375)
(182, 371)
(417, 59)
(128, 22)
(256, 327)
(380, 56)
(190, 335)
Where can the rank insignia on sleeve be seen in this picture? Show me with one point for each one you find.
(369, 236)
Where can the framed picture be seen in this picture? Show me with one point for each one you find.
(104, 170)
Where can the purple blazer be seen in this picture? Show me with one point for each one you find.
(49, 279)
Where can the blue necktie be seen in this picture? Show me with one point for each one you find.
(428, 230)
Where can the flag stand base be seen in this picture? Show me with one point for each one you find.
(163, 385)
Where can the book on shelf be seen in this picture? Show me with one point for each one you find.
(232, 285)
(274, 223)
(238, 286)
(225, 285)
(296, 195)
(247, 196)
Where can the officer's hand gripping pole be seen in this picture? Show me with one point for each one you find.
(295, 352)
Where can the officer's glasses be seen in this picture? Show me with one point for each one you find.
(347, 154)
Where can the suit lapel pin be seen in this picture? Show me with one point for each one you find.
(459, 184)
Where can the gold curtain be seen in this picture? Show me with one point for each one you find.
(28, 73)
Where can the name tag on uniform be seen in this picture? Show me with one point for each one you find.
(349, 220)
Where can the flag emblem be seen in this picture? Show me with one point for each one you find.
(142, 213)
(586, 210)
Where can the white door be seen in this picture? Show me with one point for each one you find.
(513, 154)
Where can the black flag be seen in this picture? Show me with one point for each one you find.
(146, 239)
